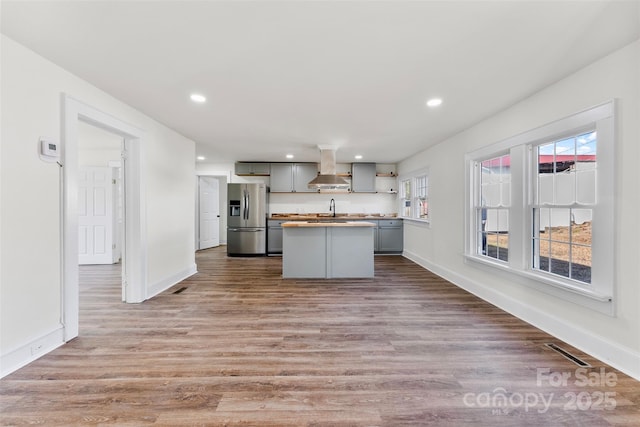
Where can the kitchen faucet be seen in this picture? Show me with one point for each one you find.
(332, 207)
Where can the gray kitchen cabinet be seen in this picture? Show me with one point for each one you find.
(281, 180)
(363, 177)
(274, 237)
(376, 238)
(327, 251)
(292, 177)
(390, 236)
(387, 235)
(248, 169)
(302, 174)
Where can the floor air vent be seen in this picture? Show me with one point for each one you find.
(179, 291)
(568, 355)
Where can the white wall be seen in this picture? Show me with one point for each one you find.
(615, 340)
(30, 265)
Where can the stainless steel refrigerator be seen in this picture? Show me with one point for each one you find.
(247, 219)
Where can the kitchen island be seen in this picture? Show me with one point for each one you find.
(313, 249)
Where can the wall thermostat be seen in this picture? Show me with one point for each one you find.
(49, 149)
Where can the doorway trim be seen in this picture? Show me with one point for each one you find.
(135, 243)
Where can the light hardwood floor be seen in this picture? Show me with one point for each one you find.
(242, 346)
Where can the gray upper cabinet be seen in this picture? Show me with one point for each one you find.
(292, 177)
(281, 180)
(363, 177)
(302, 174)
(247, 169)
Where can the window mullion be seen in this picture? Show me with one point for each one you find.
(519, 221)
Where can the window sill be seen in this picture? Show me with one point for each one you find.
(581, 295)
(422, 222)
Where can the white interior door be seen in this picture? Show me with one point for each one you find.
(209, 212)
(95, 215)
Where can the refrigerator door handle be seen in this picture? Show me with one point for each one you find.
(248, 204)
(245, 211)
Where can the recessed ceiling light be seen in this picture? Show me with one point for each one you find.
(201, 157)
(196, 97)
(358, 156)
(289, 156)
(434, 102)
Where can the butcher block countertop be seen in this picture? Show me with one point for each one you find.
(329, 217)
(329, 224)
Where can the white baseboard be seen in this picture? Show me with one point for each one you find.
(168, 282)
(38, 347)
(620, 357)
(32, 350)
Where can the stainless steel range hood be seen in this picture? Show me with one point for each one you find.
(328, 178)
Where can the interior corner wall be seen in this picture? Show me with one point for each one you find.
(30, 198)
(440, 247)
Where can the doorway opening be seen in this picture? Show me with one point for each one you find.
(211, 202)
(100, 214)
(208, 224)
(133, 244)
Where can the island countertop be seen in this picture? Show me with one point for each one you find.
(330, 217)
(328, 224)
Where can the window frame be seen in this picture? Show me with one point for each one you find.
(402, 196)
(597, 295)
(576, 205)
(413, 178)
(480, 205)
(417, 196)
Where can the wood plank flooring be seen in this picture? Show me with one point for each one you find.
(242, 346)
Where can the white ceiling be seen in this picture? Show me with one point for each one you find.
(284, 76)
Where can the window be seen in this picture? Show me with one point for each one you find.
(421, 201)
(542, 205)
(414, 197)
(405, 198)
(492, 207)
(563, 200)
